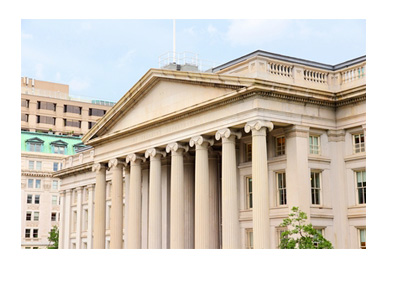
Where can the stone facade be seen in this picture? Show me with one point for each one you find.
(217, 160)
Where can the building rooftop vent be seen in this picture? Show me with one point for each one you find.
(185, 61)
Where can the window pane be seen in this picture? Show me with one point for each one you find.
(38, 165)
(37, 199)
(55, 166)
(31, 165)
(38, 183)
(30, 183)
(29, 199)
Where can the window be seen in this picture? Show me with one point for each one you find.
(38, 183)
(72, 123)
(280, 145)
(27, 233)
(78, 147)
(55, 185)
(247, 150)
(85, 219)
(59, 147)
(31, 165)
(24, 117)
(37, 199)
(46, 119)
(28, 216)
(24, 103)
(55, 166)
(280, 231)
(361, 187)
(35, 233)
(29, 199)
(96, 112)
(249, 193)
(281, 178)
(30, 183)
(315, 188)
(53, 216)
(54, 200)
(38, 165)
(321, 232)
(91, 124)
(363, 238)
(36, 216)
(314, 144)
(46, 105)
(34, 145)
(358, 143)
(249, 238)
(72, 109)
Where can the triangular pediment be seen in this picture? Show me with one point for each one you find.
(159, 95)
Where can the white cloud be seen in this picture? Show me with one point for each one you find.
(126, 59)
(250, 32)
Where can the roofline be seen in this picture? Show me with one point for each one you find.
(290, 59)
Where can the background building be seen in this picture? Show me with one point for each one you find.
(52, 124)
(190, 159)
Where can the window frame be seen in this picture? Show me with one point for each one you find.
(360, 243)
(249, 238)
(27, 233)
(29, 198)
(28, 216)
(358, 147)
(315, 188)
(35, 230)
(281, 191)
(363, 187)
(36, 216)
(311, 144)
(37, 200)
(280, 147)
(249, 192)
(38, 183)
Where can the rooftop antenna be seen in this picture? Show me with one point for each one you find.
(173, 52)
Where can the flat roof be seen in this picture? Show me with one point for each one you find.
(290, 59)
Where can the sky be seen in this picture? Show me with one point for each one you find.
(104, 58)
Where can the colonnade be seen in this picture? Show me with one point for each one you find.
(202, 199)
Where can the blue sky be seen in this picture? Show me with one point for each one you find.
(104, 58)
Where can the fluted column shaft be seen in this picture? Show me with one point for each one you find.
(177, 196)
(261, 223)
(99, 228)
(230, 204)
(155, 203)
(202, 193)
(116, 223)
(135, 202)
(62, 219)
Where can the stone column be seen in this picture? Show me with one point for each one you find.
(202, 192)
(90, 189)
(79, 217)
(145, 205)
(230, 204)
(214, 199)
(261, 225)
(116, 224)
(189, 200)
(99, 227)
(155, 205)
(177, 195)
(67, 221)
(297, 172)
(135, 202)
(62, 219)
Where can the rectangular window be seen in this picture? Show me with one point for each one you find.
(361, 187)
(46, 119)
(38, 165)
(248, 152)
(30, 183)
(24, 117)
(38, 184)
(315, 188)
(72, 109)
(249, 193)
(28, 216)
(36, 216)
(24, 103)
(59, 149)
(55, 184)
(358, 143)
(27, 233)
(54, 200)
(72, 123)
(46, 105)
(280, 145)
(314, 144)
(321, 232)
(31, 165)
(35, 233)
(29, 199)
(280, 231)
(281, 178)
(363, 238)
(96, 112)
(37, 199)
(55, 166)
(53, 216)
(249, 238)
(34, 147)
(85, 219)
(91, 124)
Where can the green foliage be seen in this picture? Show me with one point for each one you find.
(300, 235)
(53, 238)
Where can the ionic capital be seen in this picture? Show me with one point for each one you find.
(175, 146)
(114, 163)
(200, 140)
(257, 125)
(226, 133)
(153, 152)
(134, 158)
(97, 167)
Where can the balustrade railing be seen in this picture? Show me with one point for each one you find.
(353, 74)
(280, 69)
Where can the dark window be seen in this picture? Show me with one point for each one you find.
(24, 117)
(37, 199)
(29, 199)
(96, 112)
(53, 216)
(24, 103)
(72, 109)
(91, 124)
(27, 233)
(46, 105)
(35, 233)
(46, 119)
(28, 216)
(73, 123)
(55, 166)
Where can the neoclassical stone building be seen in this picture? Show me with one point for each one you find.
(217, 159)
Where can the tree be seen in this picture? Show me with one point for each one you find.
(300, 235)
(53, 238)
